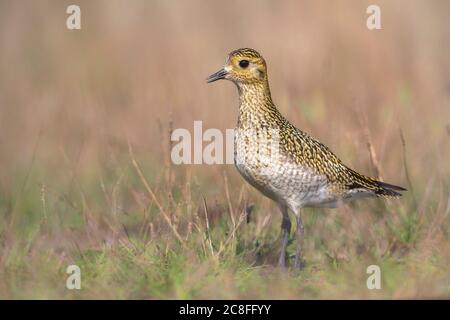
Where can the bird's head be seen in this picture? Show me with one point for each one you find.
(243, 66)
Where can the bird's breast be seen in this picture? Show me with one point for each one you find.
(262, 162)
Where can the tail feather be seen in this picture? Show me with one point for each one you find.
(377, 187)
(390, 186)
(386, 189)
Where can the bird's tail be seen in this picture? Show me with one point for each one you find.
(378, 188)
(388, 190)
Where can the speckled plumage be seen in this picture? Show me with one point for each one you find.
(281, 161)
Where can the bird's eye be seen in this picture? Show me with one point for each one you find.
(244, 64)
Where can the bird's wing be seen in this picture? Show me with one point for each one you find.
(307, 151)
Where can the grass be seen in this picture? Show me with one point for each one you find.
(127, 250)
(86, 174)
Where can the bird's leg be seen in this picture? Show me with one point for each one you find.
(285, 231)
(299, 237)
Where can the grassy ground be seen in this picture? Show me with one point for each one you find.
(86, 174)
(126, 248)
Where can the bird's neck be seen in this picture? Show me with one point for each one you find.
(255, 98)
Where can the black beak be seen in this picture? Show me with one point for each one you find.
(217, 76)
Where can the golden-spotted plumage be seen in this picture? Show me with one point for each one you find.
(281, 161)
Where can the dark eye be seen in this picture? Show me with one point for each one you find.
(243, 64)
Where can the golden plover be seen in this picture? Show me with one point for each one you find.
(283, 162)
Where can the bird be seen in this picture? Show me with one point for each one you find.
(283, 162)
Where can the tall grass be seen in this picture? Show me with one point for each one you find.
(86, 176)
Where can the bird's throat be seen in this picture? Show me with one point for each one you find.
(255, 97)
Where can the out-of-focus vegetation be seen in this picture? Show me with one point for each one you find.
(82, 113)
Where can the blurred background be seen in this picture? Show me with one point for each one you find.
(84, 112)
